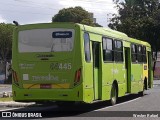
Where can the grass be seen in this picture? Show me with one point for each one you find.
(6, 99)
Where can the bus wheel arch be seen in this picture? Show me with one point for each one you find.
(114, 93)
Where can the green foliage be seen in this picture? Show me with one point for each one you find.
(139, 19)
(71, 14)
(87, 22)
(76, 15)
(6, 31)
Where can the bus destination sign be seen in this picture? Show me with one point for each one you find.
(62, 34)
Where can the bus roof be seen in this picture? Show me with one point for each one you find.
(104, 31)
(139, 41)
(113, 34)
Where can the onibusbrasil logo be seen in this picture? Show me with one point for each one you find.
(21, 115)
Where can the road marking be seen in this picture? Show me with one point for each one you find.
(10, 109)
(118, 104)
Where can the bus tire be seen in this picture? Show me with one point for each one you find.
(141, 93)
(114, 94)
(145, 84)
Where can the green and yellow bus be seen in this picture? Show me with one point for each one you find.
(68, 62)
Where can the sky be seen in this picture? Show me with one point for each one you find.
(42, 11)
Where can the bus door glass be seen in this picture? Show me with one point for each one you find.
(149, 69)
(96, 66)
(128, 69)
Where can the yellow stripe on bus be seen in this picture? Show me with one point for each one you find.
(31, 86)
(66, 85)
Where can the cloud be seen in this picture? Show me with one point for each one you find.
(2, 19)
(29, 11)
(98, 6)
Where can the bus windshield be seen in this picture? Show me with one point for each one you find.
(46, 40)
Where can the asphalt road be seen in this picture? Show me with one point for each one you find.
(126, 109)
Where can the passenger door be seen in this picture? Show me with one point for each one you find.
(96, 69)
(128, 69)
(150, 84)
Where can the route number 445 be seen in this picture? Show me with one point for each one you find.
(61, 66)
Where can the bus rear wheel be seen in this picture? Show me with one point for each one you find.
(114, 95)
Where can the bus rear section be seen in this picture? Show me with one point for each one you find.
(47, 63)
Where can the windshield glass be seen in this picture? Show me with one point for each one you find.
(46, 40)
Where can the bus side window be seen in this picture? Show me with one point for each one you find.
(144, 54)
(139, 53)
(118, 51)
(134, 52)
(107, 49)
(87, 47)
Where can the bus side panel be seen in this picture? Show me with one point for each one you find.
(107, 80)
(136, 77)
(119, 75)
(78, 64)
(87, 74)
(88, 82)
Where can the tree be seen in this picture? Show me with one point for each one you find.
(139, 19)
(6, 31)
(76, 15)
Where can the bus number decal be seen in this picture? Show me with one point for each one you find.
(61, 66)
